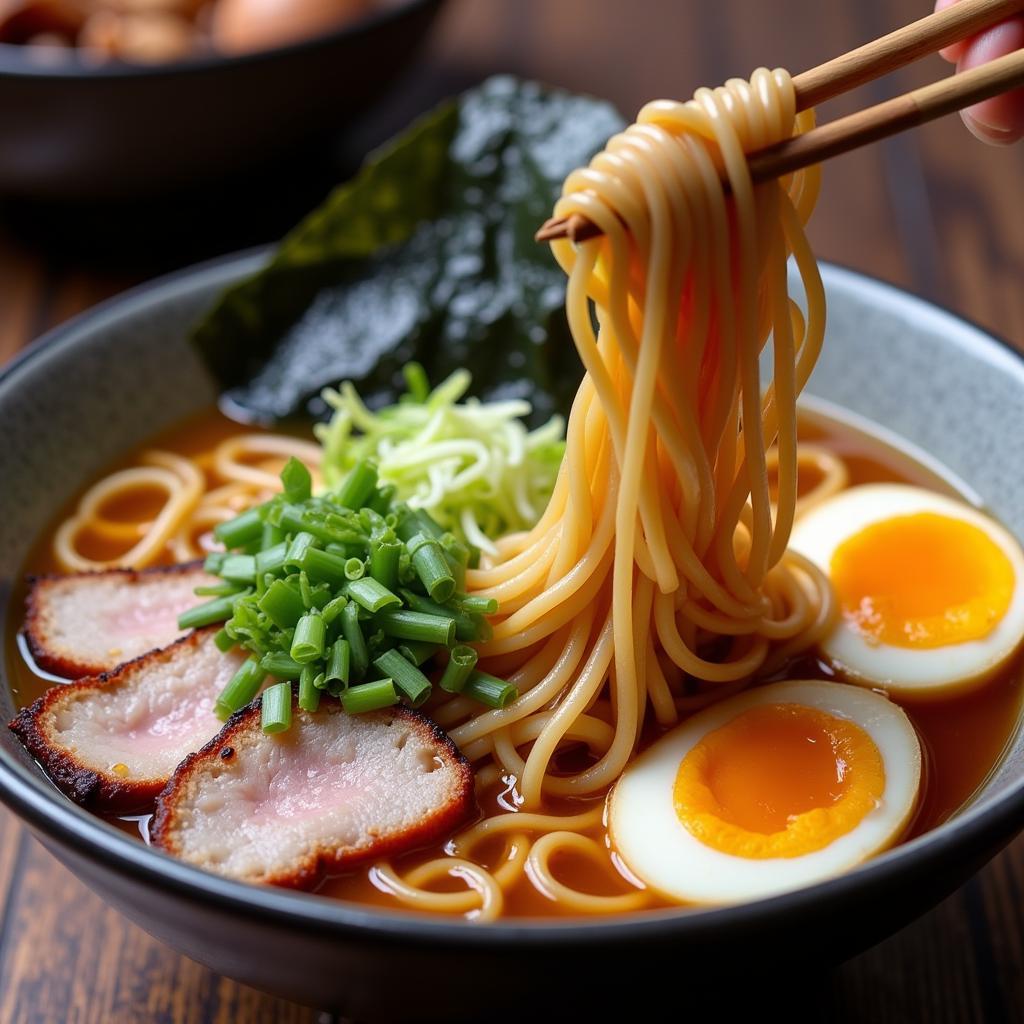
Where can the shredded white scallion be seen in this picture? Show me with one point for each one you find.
(474, 466)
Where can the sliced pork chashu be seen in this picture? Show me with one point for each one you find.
(112, 742)
(332, 792)
(91, 622)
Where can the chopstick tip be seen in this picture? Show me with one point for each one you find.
(552, 228)
(576, 228)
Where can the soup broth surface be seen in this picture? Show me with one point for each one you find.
(963, 739)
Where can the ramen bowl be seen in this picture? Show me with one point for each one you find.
(952, 394)
(79, 131)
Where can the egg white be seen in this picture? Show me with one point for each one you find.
(647, 833)
(908, 673)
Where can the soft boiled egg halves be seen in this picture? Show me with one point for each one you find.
(773, 789)
(931, 591)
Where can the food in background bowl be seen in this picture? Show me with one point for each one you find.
(157, 31)
(114, 131)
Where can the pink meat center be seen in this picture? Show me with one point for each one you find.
(145, 619)
(300, 790)
(164, 727)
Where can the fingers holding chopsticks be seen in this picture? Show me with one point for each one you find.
(1000, 120)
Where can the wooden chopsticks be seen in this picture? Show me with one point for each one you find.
(866, 63)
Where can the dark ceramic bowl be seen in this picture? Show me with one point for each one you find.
(76, 400)
(79, 132)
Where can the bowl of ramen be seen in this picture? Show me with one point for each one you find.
(110, 101)
(431, 692)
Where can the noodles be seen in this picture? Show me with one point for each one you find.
(241, 469)
(659, 577)
(828, 471)
(663, 516)
(657, 580)
(178, 478)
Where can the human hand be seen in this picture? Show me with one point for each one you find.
(1000, 120)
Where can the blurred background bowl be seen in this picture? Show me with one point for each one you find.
(72, 131)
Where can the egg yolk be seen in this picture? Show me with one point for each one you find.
(778, 780)
(922, 581)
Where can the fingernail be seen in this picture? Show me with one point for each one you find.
(989, 133)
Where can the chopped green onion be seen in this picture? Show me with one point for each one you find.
(382, 499)
(217, 590)
(282, 604)
(455, 549)
(411, 625)
(373, 522)
(373, 596)
(292, 519)
(277, 708)
(309, 693)
(384, 556)
(240, 690)
(353, 633)
(280, 665)
(305, 591)
(477, 605)
(208, 613)
(350, 549)
(417, 521)
(358, 486)
(432, 567)
(334, 608)
(239, 569)
(237, 532)
(301, 543)
(323, 565)
(467, 627)
(339, 665)
(298, 484)
(318, 588)
(408, 679)
(489, 690)
(271, 559)
(480, 630)
(310, 634)
(461, 662)
(344, 529)
(369, 697)
(417, 651)
(213, 562)
(272, 536)
(455, 563)
(428, 524)
(223, 640)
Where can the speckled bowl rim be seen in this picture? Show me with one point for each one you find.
(30, 795)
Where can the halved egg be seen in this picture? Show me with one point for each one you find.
(768, 791)
(931, 590)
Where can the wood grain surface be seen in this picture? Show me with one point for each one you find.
(933, 211)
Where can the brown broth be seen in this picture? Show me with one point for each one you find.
(964, 738)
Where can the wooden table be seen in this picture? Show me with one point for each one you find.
(932, 211)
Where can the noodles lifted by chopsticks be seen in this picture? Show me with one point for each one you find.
(658, 578)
